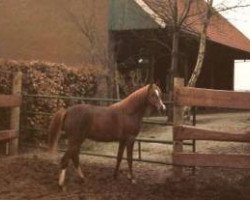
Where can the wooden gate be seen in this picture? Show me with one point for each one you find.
(187, 96)
(9, 138)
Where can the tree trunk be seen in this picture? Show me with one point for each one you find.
(173, 71)
(201, 53)
(202, 48)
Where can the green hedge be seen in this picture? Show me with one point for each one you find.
(44, 78)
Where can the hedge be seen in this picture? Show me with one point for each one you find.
(43, 78)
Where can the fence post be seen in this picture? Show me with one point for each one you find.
(177, 120)
(15, 112)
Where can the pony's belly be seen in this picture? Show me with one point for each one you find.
(106, 127)
(104, 136)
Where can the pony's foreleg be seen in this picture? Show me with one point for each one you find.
(119, 157)
(130, 147)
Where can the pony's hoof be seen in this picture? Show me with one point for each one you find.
(131, 178)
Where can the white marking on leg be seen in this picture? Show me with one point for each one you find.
(80, 173)
(62, 177)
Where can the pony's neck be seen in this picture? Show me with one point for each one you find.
(134, 104)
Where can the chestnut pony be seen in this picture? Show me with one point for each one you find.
(119, 122)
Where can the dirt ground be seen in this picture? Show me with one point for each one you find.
(34, 175)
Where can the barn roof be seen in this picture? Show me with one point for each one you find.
(220, 30)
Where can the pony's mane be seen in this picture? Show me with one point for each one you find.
(135, 99)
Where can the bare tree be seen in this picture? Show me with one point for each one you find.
(209, 12)
(95, 50)
(178, 19)
(202, 46)
(173, 20)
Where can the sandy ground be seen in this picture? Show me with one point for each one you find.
(34, 175)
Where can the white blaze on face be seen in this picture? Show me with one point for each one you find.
(161, 103)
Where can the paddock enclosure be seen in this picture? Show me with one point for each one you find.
(9, 137)
(185, 96)
(33, 173)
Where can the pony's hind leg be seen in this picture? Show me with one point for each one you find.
(75, 159)
(71, 153)
(64, 163)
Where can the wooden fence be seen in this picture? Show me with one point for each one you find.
(187, 96)
(9, 138)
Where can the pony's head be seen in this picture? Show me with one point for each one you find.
(154, 97)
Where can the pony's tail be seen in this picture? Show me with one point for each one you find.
(55, 129)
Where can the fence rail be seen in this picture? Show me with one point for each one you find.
(9, 138)
(211, 160)
(73, 98)
(8, 135)
(192, 133)
(185, 96)
(188, 96)
(10, 100)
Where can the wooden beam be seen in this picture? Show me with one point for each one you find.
(192, 133)
(8, 134)
(15, 112)
(10, 100)
(178, 120)
(212, 160)
(188, 96)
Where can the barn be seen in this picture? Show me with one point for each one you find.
(47, 30)
(140, 34)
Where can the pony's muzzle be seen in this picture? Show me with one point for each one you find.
(161, 107)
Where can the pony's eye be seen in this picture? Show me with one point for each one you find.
(154, 95)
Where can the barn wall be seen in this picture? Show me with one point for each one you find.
(218, 69)
(42, 29)
(217, 72)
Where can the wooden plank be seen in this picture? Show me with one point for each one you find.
(178, 115)
(212, 160)
(192, 133)
(178, 112)
(2, 147)
(15, 112)
(10, 100)
(8, 134)
(188, 96)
